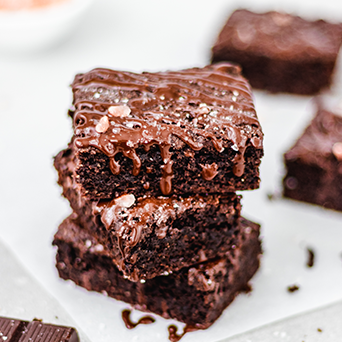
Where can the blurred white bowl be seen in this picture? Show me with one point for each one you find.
(41, 27)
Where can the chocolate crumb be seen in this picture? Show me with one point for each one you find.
(247, 288)
(272, 196)
(311, 258)
(292, 288)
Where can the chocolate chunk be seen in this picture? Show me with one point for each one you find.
(13, 330)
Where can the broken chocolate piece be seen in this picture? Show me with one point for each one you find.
(14, 330)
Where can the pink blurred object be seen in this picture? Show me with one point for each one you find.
(14, 5)
(28, 25)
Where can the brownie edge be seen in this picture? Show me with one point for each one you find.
(280, 52)
(196, 295)
(314, 163)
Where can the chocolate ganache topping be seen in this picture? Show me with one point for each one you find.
(117, 112)
(128, 217)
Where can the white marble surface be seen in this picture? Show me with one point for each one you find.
(22, 297)
(156, 35)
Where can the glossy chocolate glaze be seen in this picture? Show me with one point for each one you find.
(146, 209)
(130, 325)
(195, 105)
(174, 337)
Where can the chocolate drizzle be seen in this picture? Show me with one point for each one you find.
(192, 105)
(174, 337)
(209, 171)
(130, 325)
(128, 217)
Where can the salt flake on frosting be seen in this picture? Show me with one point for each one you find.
(102, 125)
(337, 150)
(125, 201)
(119, 111)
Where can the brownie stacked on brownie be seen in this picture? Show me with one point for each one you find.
(151, 174)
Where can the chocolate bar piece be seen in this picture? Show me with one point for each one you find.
(280, 52)
(148, 236)
(314, 163)
(191, 131)
(195, 295)
(14, 330)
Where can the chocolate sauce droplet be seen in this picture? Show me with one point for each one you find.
(209, 171)
(174, 337)
(130, 325)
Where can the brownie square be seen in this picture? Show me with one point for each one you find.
(196, 295)
(314, 163)
(150, 236)
(280, 52)
(181, 132)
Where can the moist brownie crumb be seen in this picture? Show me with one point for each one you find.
(280, 52)
(138, 231)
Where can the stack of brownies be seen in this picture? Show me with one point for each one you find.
(151, 175)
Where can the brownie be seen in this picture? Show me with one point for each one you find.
(314, 163)
(280, 52)
(150, 236)
(196, 295)
(180, 132)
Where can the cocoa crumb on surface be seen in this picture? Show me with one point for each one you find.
(311, 257)
(292, 288)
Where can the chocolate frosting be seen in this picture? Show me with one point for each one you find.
(138, 213)
(117, 112)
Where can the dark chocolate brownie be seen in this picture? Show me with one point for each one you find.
(185, 132)
(14, 330)
(314, 163)
(196, 295)
(280, 52)
(150, 236)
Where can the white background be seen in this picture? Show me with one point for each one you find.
(156, 35)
